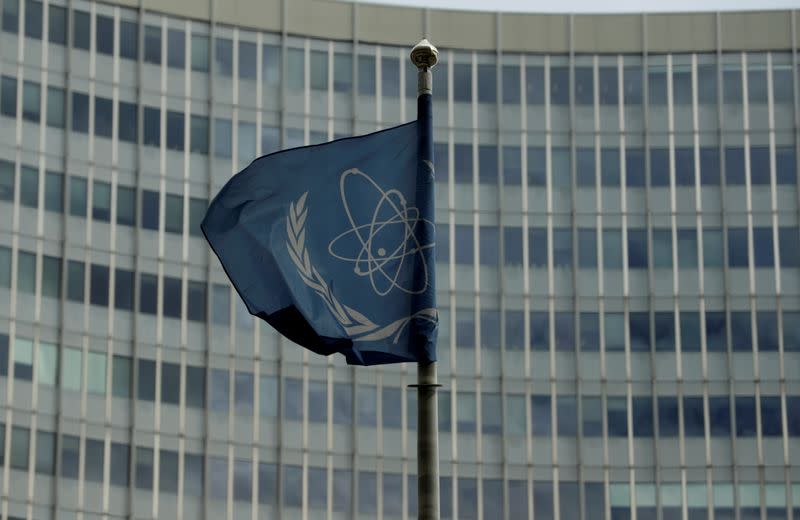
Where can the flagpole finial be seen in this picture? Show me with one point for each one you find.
(424, 55)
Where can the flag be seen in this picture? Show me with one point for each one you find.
(333, 245)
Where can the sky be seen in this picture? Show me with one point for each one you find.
(595, 6)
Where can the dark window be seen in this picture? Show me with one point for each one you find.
(732, 85)
(489, 241)
(719, 416)
(176, 48)
(540, 415)
(243, 391)
(587, 248)
(664, 331)
(81, 30)
(562, 247)
(745, 416)
(127, 124)
(56, 107)
(467, 498)
(771, 424)
(80, 112)
(103, 117)
(609, 85)
(105, 34)
(175, 130)
(693, 424)
(617, 416)
(567, 410)
(70, 456)
(642, 416)
(45, 453)
(490, 329)
(662, 248)
(6, 181)
(195, 387)
(148, 291)
(561, 175)
(791, 331)
(144, 468)
(152, 126)
(128, 40)
(3, 364)
(759, 165)
(120, 464)
(126, 206)
(737, 247)
(487, 164)
(342, 403)
(223, 58)
(196, 304)
(684, 167)
(152, 44)
(121, 377)
(767, 331)
(101, 201)
(94, 460)
(150, 209)
(462, 83)
(709, 166)
(75, 280)
(534, 84)
(734, 166)
(10, 22)
(585, 167)
(33, 19)
(199, 134)
(763, 250)
(592, 419)
(793, 415)
(659, 167)
(639, 330)
(146, 381)
(173, 221)
(634, 168)
(690, 331)
(197, 210)
(487, 83)
(637, 249)
(668, 416)
(31, 101)
(464, 241)
(741, 331)
(511, 84)
(123, 289)
(559, 85)
(170, 383)
(564, 324)
(789, 242)
(584, 86)
(540, 331)
(537, 166)
(785, 165)
(707, 85)
(99, 285)
(682, 85)
(172, 297)
(29, 187)
(53, 192)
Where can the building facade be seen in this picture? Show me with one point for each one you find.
(618, 263)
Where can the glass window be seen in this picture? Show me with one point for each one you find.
(659, 167)
(128, 40)
(366, 75)
(148, 291)
(587, 248)
(319, 70)
(559, 85)
(617, 416)
(26, 272)
(71, 368)
(609, 85)
(10, 23)
(719, 416)
(763, 250)
(223, 57)
(512, 246)
(176, 48)
(584, 86)
(75, 280)
(445, 412)
(271, 65)
(734, 165)
(56, 107)
(174, 214)
(222, 138)
(144, 468)
(634, 168)
(657, 85)
(785, 165)
(491, 414)
(242, 480)
(8, 96)
(713, 252)
(150, 209)
(197, 210)
(668, 416)
(687, 248)
(511, 84)
(243, 393)
(195, 387)
(737, 247)
(33, 19)
(693, 422)
(793, 415)
(342, 72)
(487, 164)
(98, 288)
(487, 83)
(170, 383)
(716, 333)
(690, 331)
(196, 304)
(51, 276)
(741, 331)
(562, 247)
(175, 130)
(296, 72)
(168, 472)
(489, 240)
(367, 493)
(152, 126)
(219, 395)
(104, 34)
(684, 166)
(537, 166)
(29, 187)
(662, 248)
(590, 331)
(534, 84)
(47, 364)
(80, 112)
(789, 246)
(220, 304)
(120, 464)
(561, 167)
(199, 134)
(246, 149)
(247, 60)
(759, 165)
(791, 331)
(342, 403)
(31, 95)
(45, 453)
(771, 424)
(200, 52)
(93, 460)
(146, 381)
(121, 368)
(20, 444)
(462, 82)
(642, 416)
(367, 405)
(639, 331)
(707, 84)
(6, 181)
(126, 206)
(152, 44)
(23, 359)
(614, 331)
(172, 297)
(53, 191)
(193, 474)
(732, 84)
(612, 249)
(70, 456)
(466, 412)
(5, 267)
(101, 201)
(745, 416)
(637, 248)
(709, 166)
(81, 30)
(96, 372)
(767, 331)
(127, 123)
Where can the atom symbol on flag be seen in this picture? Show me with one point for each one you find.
(386, 239)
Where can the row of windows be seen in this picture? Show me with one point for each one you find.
(209, 477)
(237, 391)
(641, 248)
(564, 82)
(100, 208)
(560, 158)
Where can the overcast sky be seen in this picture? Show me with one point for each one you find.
(595, 6)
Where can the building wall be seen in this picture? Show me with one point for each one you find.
(618, 264)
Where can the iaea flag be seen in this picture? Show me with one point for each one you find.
(333, 245)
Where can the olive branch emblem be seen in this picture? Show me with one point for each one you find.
(356, 324)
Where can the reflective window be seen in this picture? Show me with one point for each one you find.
(462, 82)
(540, 415)
(218, 477)
(462, 163)
(195, 387)
(719, 416)
(75, 280)
(96, 372)
(709, 166)
(707, 85)
(559, 85)
(10, 24)
(247, 60)
(81, 30)
(609, 85)
(732, 84)
(682, 85)
(771, 424)
(584, 86)
(101, 201)
(466, 412)
(219, 391)
(5, 267)
(737, 247)
(146, 381)
(220, 304)
(173, 214)
(614, 331)
(128, 40)
(367, 405)
(71, 368)
(45, 453)
(342, 403)
(587, 248)
(391, 403)
(637, 248)
(175, 131)
(120, 464)
(94, 458)
(491, 414)
(716, 333)
(662, 248)
(693, 422)
(295, 80)
(56, 107)
(734, 165)
(487, 83)
(6, 181)
(342, 72)
(170, 383)
(489, 240)
(176, 48)
(70, 456)
(98, 287)
(23, 359)
(668, 416)
(793, 416)
(271, 64)
(512, 246)
(561, 175)
(31, 94)
(487, 164)
(200, 52)
(243, 393)
(47, 364)
(567, 411)
(617, 416)
(445, 411)
(511, 84)
(639, 331)
(392, 494)
(8, 96)
(150, 209)
(767, 331)
(585, 167)
(126, 206)
(367, 493)
(168, 471)
(152, 44)
(659, 167)
(121, 368)
(690, 331)
(785, 165)
(148, 293)
(33, 19)
(293, 399)
(609, 167)
(222, 138)
(562, 248)
(267, 483)
(745, 416)
(193, 475)
(26, 272)
(127, 123)
(246, 139)
(612, 249)
(590, 331)
(634, 168)
(104, 33)
(534, 84)
(713, 251)
(198, 134)
(789, 246)
(319, 70)
(242, 480)
(492, 498)
(642, 411)
(53, 191)
(763, 250)
(463, 242)
(657, 85)
(741, 331)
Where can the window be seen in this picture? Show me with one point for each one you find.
(10, 22)
(487, 83)
(639, 331)
(101, 201)
(26, 272)
(367, 405)
(175, 130)
(75, 280)
(197, 210)
(759, 165)
(146, 381)
(741, 331)
(268, 483)
(20, 444)
(45, 453)
(222, 138)
(587, 248)
(150, 209)
(342, 404)
(8, 96)
(366, 75)
(31, 98)
(200, 52)
(80, 112)
(104, 34)
(81, 30)
(584, 86)
(562, 248)
(220, 304)
(534, 84)
(585, 168)
(172, 297)
(51, 276)
(318, 402)
(33, 19)
(243, 393)
(94, 460)
(152, 126)
(242, 480)
(98, 288)
(491, 414)
(716, 334)
(127, 123)
(785, 165)
(223, 57)
(123, 289)
(174, 214)
(47, 364)
(246, 148)
(271, 65)
(120, 464)
(392, 494)
(719, 416)
(23, 359)
(789, 246)
(195, 387)
(791, 331)
(734, 166)
(617, 416)
(152, 44)
(559, 85)
(199, 134)
(170, 383)
(6, 181)
(367, 493)
(745, 416)
(342, 72)
(56, 107)
(70, 456)
(219, 393)
(561, 167)
(176, 48)
(29, 187)
(737, 247)
(771, 424)
(196, 304)
(268, 396)
(537, 166)
(193, 474)
(319, 70)
(607, 78)
(642, 416)
(466, 412)
(634, 168)
(511, 84)
(168, 471)
(662, 248)
(144, 468)
(128, 39)
(292, 486)
(767, 331)
(71, 368)
(126, 206)
(121, 377)
(637, 249)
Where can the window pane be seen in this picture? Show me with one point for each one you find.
(120, 464)
(97, 373)
(56, 106)
(223, 57)
(176, 48)
(128, 39)
(126, 206)
(168, 471)
(174, 214)
(51, 276)
(47, 364)
(150, 209)
(70, 456)
(200, 52)
(146, 381)
(5, 267)
(242, 480)
(152, 44)
(152, 126)
(222, 138)
(127, 124)
(10, 21)
(45, 453)
(98, 288)
(366, 75)
(77, 196)
(172, 297)
(71, 368)
(220, 390)
(170, 383)
(8, 96)
(194, 477)
(26, 272)
(243, 394)
(6, 181)
(94, 460)
(23, 359)
(124, 281)
(271, 64)
(487, 83)
(20, 444)
(195, 387)
(199, 134)
(29, 187)
(101, 201)
(121, 377)
(53, 191)
(175, 130)
(144, 468)
(33, 19)
(584, 86)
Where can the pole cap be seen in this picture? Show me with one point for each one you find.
(424, 55)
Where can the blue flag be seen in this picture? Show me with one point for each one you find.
(332, 245)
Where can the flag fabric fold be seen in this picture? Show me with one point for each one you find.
(333, 245)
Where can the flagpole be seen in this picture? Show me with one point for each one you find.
(424, 56)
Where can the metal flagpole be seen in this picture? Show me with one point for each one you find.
(424, 56)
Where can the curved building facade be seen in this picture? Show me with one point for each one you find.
(618, 264)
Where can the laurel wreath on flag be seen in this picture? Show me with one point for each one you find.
(356, 325)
